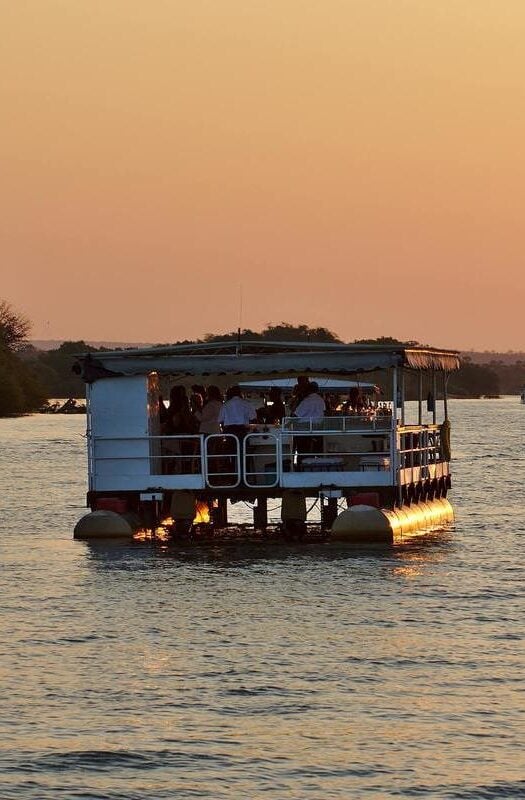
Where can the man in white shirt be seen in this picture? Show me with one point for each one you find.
(236, 413)
(312, 407)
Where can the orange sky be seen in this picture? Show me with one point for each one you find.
(357, 164)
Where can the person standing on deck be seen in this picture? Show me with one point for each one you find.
(273, 411)
(209, 415)
(299, 392)
(180, 423)
(237, 413)
(311, 409)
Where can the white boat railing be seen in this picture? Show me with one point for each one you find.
(267, 459)
(222, 460)
(341, 423)
(419, 453)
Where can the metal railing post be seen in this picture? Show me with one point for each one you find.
(420, 399)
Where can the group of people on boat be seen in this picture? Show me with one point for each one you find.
(205, 410)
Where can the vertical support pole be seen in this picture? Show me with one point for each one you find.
(420, 398)
(434, 392)
(328, 512)
(445, 394)
(395, 439)
(411, 439)
(89, 439)
(260, 514)
(220, 513)
(402, 393)
(394, 394)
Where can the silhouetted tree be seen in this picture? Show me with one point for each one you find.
(474, 380)
(387, 340)
(53, 368)
(14, 327)
(283, 332)
(20, 390)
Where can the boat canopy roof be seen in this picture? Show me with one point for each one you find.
(262, 359)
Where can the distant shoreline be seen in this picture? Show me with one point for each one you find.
(54, 344)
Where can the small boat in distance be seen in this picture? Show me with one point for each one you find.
(376, 474)
(70, 406)
(522, 394)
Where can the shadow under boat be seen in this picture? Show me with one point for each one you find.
(232, 552)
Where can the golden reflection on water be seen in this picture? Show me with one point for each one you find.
(160, 534)
(407, 571)
(155, 662)
(421, 555)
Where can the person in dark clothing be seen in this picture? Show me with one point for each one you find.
(180, 422)
(179, 419)
(273, 411)
(299, 391)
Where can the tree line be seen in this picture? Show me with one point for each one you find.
(29, 377)
(20, 389)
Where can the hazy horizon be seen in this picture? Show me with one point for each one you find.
(189, 167)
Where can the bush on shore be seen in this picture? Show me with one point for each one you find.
(20, 389)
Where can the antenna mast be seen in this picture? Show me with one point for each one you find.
(240, 321)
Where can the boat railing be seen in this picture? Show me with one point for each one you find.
(419, 451)
(340, 423)
(269, 458)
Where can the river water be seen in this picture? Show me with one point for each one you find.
(131, 672)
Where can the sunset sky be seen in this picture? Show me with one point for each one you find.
(357, 164)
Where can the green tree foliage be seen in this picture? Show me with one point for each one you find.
(14, 327)
(473, 380)
(20, 390)
(12, 399)
(511, 375)
(298, 333)
(283, 332)
(53, 368)
(387, 341)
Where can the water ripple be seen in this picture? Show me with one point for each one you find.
(140, 673)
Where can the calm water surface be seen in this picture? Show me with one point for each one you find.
(129, 672)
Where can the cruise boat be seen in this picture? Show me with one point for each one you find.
(376, 473)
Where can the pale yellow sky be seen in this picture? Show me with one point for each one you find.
(354, 164)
